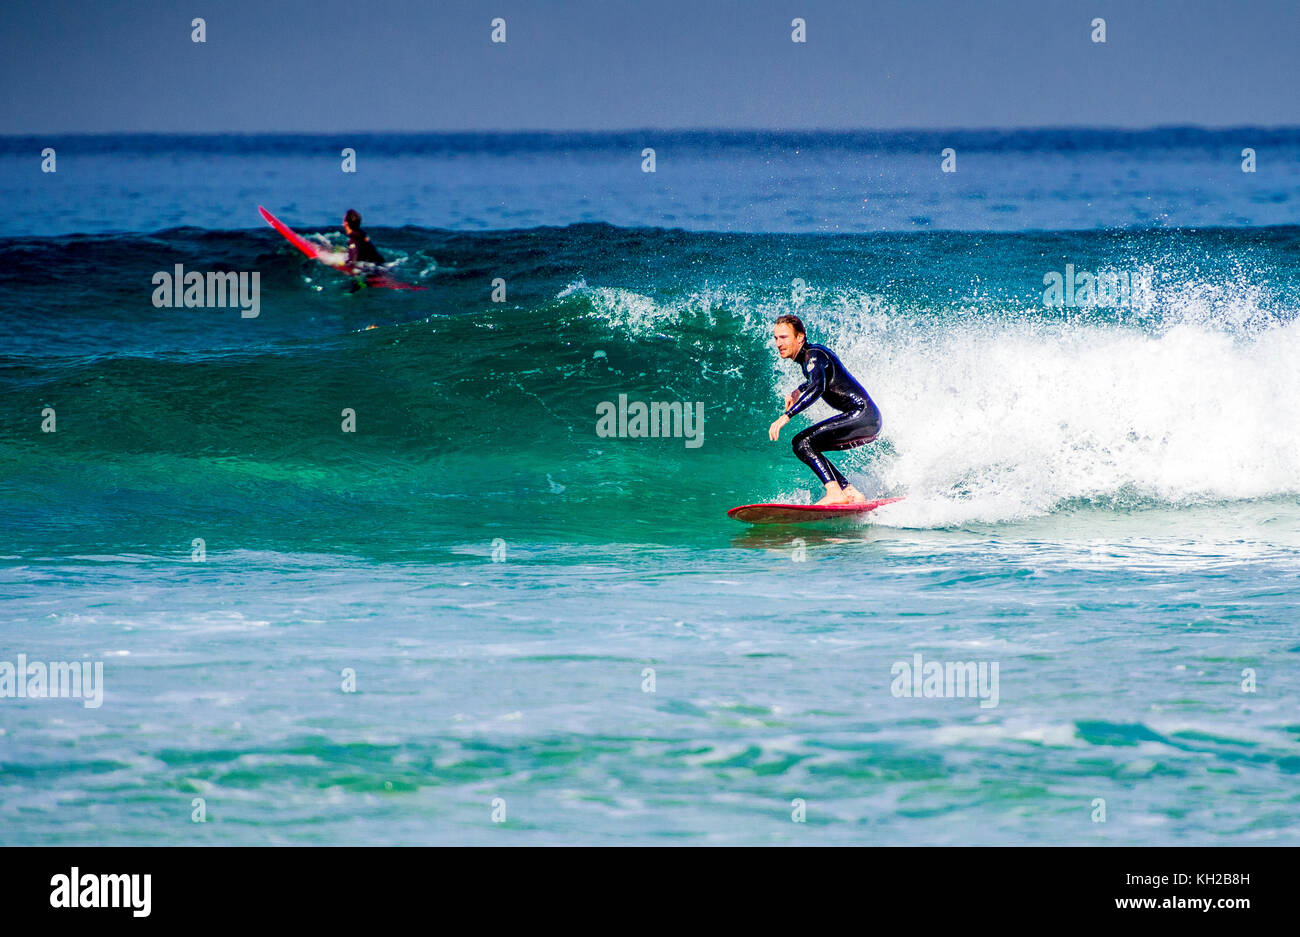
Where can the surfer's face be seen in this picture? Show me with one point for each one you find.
(787, 342)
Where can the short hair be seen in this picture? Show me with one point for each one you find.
(794, 321)
(353, 219)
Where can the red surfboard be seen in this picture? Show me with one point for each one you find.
(329, 258)
(802, 513)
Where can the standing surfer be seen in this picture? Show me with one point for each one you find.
(857, 423)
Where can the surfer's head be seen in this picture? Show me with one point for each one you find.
(789, 335)
(351, 221)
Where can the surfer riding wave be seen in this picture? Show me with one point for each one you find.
(826, 379)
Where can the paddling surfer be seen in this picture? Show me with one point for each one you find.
(360, 250)
(857, 423)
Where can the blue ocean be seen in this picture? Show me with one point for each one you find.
(362, 568)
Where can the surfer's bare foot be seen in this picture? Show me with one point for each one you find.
(855, 496)
(834, 495)
(835, 499)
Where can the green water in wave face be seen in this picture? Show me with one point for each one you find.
(475, 416)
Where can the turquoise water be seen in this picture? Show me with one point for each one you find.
(1102, 502)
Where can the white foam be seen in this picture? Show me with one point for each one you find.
(1188, 397)
(994, 419)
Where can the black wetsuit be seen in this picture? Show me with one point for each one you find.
(361, 250)
(858, 423)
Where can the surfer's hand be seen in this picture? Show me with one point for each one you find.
(774, 431)
(789, 400)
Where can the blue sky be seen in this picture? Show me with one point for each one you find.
(295, 66)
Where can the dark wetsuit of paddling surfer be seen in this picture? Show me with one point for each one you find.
(857, 423)
(360, 249)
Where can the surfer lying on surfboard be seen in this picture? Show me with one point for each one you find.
(362, 262)
(359, 246)
(857, 423)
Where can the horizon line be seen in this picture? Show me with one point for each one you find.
(1053, 128)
